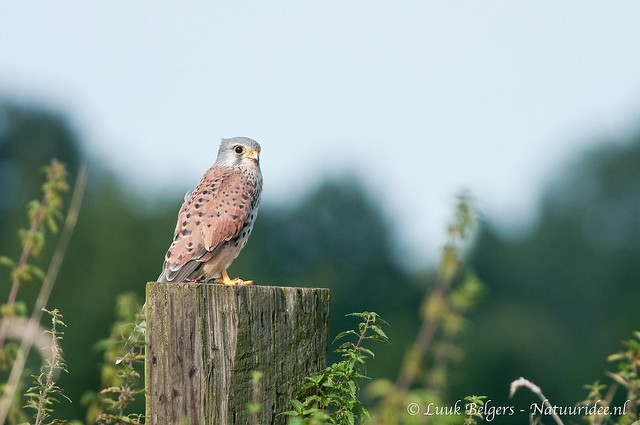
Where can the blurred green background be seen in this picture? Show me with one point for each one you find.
(559, 296)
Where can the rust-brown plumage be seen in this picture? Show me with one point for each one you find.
(216, 219)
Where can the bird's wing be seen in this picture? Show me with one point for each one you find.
(213, 213)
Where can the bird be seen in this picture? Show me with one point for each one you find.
(216, 218)
(214, 222)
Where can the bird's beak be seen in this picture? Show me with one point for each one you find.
(255, 155)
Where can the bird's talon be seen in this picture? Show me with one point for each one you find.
(224, 279)
(233, 282)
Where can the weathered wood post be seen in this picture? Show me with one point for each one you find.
(203, 342)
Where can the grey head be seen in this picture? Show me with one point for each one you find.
(238, 152)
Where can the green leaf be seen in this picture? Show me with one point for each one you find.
(366, 351)
(315, 379)
(379, 339)
(312, 400)
(379, 331)
(297, 405)
(36, 271)
(32, 209)
(7, 262)
(20, 308)
(344, 334)
(53, 226)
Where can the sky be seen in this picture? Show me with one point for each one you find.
(419, 99)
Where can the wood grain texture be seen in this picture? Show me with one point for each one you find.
(203, 341)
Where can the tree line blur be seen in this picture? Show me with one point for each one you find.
(558, 299)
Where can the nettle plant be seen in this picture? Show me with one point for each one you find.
(331, 396)
(20, 329)
(44, 216)
(616, 403)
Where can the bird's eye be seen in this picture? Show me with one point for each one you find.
(239, 150)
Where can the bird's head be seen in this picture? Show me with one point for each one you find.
(238, 152)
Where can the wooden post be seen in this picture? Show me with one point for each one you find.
(203, 342)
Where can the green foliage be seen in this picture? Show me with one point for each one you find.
(122, 369)
(570, 278)
(546, 284)
(444, 316)
(602, 406)
(45, 392)
(122, 380)
(43, 215)
(331, 396)
(473, 416)
(116, 247)
(625, 380)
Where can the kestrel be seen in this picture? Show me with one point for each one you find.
(215, 220)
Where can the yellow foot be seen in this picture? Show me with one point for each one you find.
(226, 280)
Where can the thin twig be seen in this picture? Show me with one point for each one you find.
(608, 398)
(45, 292)
(24, 257)
(450, 265)
(364, 331)
(421, 345)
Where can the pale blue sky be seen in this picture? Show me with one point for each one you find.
(420, 98)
